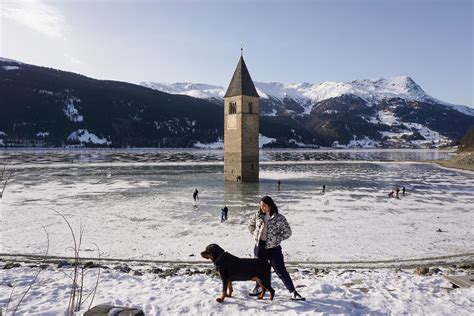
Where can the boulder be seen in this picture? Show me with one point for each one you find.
(169, 272)
(91, 264)
(105, 310)
(123, 268)
(435, 270)
(10, 265)
(321, 271)
(135, 273)
(156, 270)
(465, 266)
(63, 263)
(422, 270)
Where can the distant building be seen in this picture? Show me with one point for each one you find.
(241, 127)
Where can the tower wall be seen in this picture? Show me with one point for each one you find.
(241, 131)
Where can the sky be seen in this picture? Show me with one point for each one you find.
(289, 41)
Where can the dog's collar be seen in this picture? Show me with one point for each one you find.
(218, 258)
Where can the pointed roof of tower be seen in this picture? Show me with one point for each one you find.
(241, 83)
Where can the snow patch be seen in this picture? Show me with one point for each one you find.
(307, 108)
(429, 134)
(84, 136)
(42, 134)
(387, 118)
(70, 110)
(301, 144)
(365, 142)
(272, 113)
(45, 92)
(216, 145)
(461, 108)
(10, 67)
(263, 140)
(430, 138)
(277, 90)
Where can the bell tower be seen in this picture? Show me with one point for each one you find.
(241, 127)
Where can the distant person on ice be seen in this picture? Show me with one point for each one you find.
(398, 193)
(268, 228)
(403, 191)
(195, 195)
(324, 188)
(279, 184)
(224, 212)
(390, 195)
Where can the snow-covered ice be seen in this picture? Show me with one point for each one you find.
(138, 205)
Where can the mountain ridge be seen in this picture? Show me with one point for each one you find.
(48, 107)
(371, 90)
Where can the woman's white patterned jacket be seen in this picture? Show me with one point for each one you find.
(278, 229)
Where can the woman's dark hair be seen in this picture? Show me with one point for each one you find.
(269, 201)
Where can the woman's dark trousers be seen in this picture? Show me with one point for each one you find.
(275, 257)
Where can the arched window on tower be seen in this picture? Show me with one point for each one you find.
(250, 107)
(232, 108)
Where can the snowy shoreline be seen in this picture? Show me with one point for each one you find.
(155, 290)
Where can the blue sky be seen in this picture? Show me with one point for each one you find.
(286, 41)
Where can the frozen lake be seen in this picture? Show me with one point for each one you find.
(137, 204)
(68, 156)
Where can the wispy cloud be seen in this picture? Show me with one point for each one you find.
(35, 14)
(73, 60)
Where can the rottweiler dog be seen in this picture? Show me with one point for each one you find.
(231, 268)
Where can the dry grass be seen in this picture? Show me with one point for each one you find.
(463, 160)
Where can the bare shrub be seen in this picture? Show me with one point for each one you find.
(32, 281)
(77, 287)
(77, 296)
(4, 180)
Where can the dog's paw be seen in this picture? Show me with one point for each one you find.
(228, 295)
(271, 295)
(220, 299)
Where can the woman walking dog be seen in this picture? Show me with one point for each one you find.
(269, 228)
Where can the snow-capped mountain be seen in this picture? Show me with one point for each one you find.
(195, 90)
(48, 107)
(368, 112)
(306, 95)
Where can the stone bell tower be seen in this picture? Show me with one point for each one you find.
(241, 115)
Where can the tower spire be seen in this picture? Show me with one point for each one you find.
(241, 49)
(241, 83)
